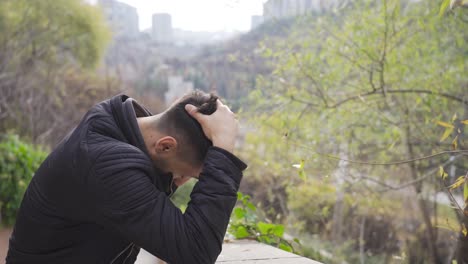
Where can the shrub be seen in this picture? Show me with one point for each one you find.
(18, 162)
(313, 215)
(181, 197)
(245, 224)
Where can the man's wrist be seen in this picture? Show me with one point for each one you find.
(237, 162)
(224, 145)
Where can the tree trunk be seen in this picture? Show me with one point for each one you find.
(338, 209)
(362, 243)
(430, 234)
(462, 244)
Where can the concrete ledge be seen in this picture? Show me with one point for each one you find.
(244, 252)
(234, 252)
(249, 252)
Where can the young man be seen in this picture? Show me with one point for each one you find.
(103, 192)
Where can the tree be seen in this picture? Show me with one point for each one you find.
(368, 84)
(43, 45)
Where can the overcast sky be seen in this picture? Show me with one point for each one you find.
(200, 15)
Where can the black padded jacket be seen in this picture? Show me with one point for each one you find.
(97, 198)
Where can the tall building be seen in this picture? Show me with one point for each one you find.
(162, 28)
(122, 18)
(177, 88)
(256, 21)
(288, 8)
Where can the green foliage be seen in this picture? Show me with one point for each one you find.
(364, 84)
(48, 48)
(450, 5)
(53, 30)
(245, 224)
(312, 216)
(18, 162)
(443, 7)
(181, 197)
(455, 127)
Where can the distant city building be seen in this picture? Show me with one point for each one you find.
(256, 21)
(196, 38)
(177, 87)
(122, 18)
(287, 8)
(162, 28)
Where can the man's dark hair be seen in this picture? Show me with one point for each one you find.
(177, 123)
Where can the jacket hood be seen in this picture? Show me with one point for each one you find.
(125, 111)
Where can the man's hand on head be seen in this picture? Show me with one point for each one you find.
(221, 127)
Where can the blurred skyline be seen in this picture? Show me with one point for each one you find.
(201, 15)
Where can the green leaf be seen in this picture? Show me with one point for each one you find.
(465, 192)
(442, 173)
(301, 167)
(241, 232)
(302, 175)
(325, 211)
(251, 206)
(460, 180)
(239, 212)
(245, 198)
(455, 143)
(278, 230)
(465, 122)
(284, 246)
(446, 134)
(445, 124)
(266, 229)
(444, 7)
(265, 240)
(297, 241)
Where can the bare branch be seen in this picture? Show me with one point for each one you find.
(462, 152)
(410, 91)
(409, 183)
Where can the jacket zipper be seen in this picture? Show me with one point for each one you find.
(129, 254)
(125, 249)
(131, 244)
(170, 187)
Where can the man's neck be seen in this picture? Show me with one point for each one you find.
(149, 132)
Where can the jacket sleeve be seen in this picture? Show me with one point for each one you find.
(130, 204)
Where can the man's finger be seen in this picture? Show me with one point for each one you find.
(219, 104)
(193, 111)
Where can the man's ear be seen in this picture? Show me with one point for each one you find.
(166, 145)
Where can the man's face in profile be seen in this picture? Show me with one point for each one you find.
(171, 160)
(184, 171)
